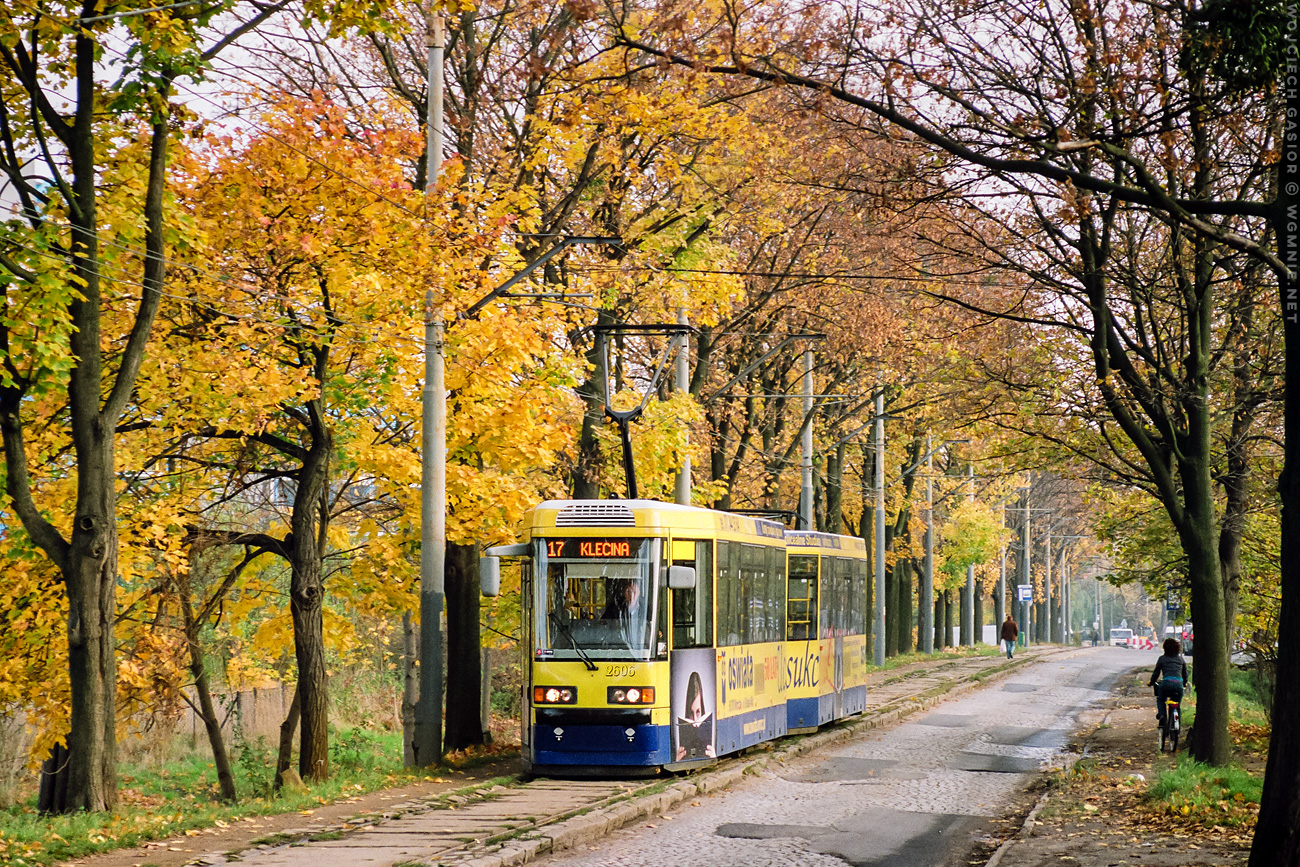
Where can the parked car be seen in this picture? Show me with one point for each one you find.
(1121, 637)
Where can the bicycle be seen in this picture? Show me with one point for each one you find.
(1169, 726)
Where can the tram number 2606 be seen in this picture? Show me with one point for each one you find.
(620, 670)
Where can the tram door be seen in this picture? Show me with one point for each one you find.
(834, 602)
(692, 659)
(527, 643)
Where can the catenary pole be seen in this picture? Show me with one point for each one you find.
(433, 462)
(926, 604)
(1025, 607)
(683, 486)
(968, 636)
(1000, 598)
(806, 440)
(880, 529)
(1047, 585)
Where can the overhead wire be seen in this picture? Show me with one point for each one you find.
(247, 310)
(366, 332)
(264, 130)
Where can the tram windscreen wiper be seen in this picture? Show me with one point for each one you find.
(564, 630)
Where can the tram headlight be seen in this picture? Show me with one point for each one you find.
(631, 695)
(555, 695)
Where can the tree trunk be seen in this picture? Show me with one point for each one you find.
(92, 664)
(1041, 618)
(1236, 485)
(464, 727)
(905, 619)
(940, 620)
(284, 759)
(207, 710)
(589, 468)
(891, 598)
(835, 490)
(410, 688)
(54, 780)
(1210, 741)
(310, 525)
(485, 702)
(1277, 833)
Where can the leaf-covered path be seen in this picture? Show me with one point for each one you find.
(1095, 816)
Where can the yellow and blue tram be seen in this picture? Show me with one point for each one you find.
(664, 636)
(826, 635)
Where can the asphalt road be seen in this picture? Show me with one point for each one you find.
(917, 795)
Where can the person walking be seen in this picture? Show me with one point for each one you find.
(1010, 631)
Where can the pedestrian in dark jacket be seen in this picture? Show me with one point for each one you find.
(1010, 631)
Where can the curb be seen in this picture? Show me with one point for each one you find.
(579, 830)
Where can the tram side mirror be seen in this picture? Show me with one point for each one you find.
(489, 566)
(489, 575)
(681, 577)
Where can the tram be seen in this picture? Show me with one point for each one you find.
(662, 636)
(826, 635)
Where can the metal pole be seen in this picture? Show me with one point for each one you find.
(969, 638)
(433, 464)
(683, 487)
(1024, 572)
(880, 529)
(1047, 588)
(1067, 578)
(806, 499)
(1000, 598)
(927, 574)
(1101, 612)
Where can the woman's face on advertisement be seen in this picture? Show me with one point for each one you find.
(697, 707)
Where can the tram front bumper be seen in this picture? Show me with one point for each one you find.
(601, 745)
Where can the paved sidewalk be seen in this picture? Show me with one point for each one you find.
(510, 824)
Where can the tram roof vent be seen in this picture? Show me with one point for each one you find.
(595, 514)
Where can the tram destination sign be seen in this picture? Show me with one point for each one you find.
(593, 549)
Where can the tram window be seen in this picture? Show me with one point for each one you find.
(693, 609)
(776, 599)
(834, 596)
(830, 602)
(850, 600)
(801, 617)
(859, 609)
(752, 578)
(728, 595)
(827, 582)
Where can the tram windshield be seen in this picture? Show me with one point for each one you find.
(598, 598)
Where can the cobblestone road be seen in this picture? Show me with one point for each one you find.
(917, 794)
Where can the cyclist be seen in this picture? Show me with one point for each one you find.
(1169, 676)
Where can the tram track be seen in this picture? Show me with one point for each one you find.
(514, 820)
